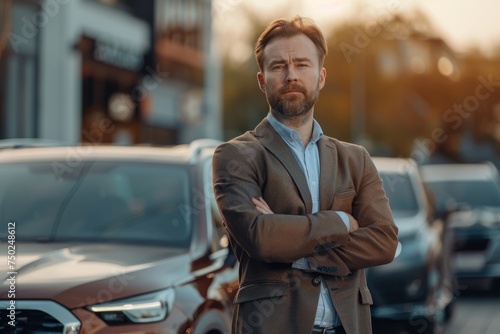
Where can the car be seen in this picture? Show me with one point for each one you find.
(415, 292)
(468, 195)
(113, 239)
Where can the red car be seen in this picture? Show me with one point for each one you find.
(101, 240)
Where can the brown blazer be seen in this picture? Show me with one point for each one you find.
(275, 298)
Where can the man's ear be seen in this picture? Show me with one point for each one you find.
(322, 78)
(261, 81)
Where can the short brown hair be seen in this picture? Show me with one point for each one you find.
(285, 27)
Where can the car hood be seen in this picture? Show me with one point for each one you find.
(77, 275)
(408, 225)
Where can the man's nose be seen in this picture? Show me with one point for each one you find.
(291, 74)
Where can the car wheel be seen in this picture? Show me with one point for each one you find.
(211, 322)
(435, 325)
(449, 310)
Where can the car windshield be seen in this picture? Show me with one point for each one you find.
(401, 194)
(97, 201)
(473, 193)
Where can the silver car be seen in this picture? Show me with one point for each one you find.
(414, 293)
(469, 196)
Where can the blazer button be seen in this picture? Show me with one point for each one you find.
(316, 281)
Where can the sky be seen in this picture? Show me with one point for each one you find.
(461, 23)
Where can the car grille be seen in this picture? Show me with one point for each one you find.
(36, 317)
(464, 245)
(386, 293)
(31, 321)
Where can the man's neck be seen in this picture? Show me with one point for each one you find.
(303, 125)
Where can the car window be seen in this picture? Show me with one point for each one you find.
(474, 193)
(401, 194)
(112, 201)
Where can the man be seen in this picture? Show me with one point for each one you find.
(305, 213)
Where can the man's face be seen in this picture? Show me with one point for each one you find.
(291, 76)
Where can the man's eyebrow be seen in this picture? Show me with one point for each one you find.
(301, 60)
(276, 61)
(284, 61)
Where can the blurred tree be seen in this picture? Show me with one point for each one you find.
(392, 84)
(390, 63)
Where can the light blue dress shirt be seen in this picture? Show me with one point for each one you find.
(308, 159)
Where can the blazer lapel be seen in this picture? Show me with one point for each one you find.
(273, 142)
(328, 171)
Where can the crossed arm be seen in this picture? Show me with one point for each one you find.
(262, 206)
(346, 258)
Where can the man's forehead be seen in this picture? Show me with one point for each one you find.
(295, 47)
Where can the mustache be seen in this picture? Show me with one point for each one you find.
(293, 88)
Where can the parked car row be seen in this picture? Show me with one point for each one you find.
(448, 217)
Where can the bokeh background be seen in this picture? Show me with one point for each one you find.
(405, 77)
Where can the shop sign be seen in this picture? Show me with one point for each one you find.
(117, 56)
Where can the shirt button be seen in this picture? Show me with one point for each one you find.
(316, 281)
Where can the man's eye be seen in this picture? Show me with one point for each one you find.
(277, 67)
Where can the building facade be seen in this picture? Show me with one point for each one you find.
(109, 71)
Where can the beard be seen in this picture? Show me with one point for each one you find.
(291, 106)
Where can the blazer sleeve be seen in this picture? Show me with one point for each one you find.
(375, 242)
(267, 237)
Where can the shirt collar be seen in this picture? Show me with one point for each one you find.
(291, 136)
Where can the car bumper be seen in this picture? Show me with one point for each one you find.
(477, 254)
(411, 287)
(406, 312)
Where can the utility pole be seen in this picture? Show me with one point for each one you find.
(5, 23)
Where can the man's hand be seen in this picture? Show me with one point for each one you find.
(353, 223)
(262, 206)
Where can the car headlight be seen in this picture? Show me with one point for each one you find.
(414, 287)
(490, 218)
(462, 219)
(150, 307)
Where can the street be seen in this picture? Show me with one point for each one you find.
(476, 312)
